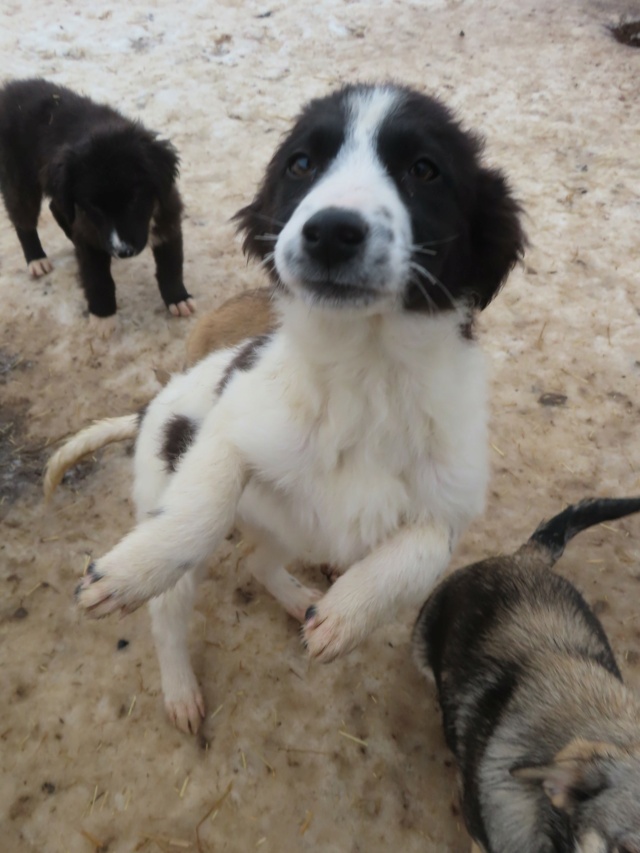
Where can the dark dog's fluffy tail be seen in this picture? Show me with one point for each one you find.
(554, 534)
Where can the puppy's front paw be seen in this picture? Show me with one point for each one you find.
(100, 593)
(40, 267)
(327, 633)
(102, 327)
(183, 309)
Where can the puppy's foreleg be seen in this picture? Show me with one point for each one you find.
(195, 514)
(38, 263)
(401, 571)
(166, 241)
(96, 279)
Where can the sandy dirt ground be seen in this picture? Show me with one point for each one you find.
(296, 757)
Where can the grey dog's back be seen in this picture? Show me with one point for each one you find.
(516, 654)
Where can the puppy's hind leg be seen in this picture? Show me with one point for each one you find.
(267, 564)
(170, 616)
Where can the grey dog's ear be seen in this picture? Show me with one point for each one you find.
(59, 182)
(578, 772)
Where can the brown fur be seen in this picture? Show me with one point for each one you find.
(244, 316)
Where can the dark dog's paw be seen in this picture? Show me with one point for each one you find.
(40, 267)
(102, 327)
(183, 309)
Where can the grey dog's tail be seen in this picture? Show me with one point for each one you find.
(554, 534)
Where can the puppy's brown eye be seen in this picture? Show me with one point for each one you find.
(300, 166)
(424, 170)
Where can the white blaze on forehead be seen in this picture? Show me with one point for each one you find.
(367, 111)
(358, 179)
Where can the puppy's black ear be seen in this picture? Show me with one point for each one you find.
(59, 183)
(497, 237)
(252, 224)
(163, 163)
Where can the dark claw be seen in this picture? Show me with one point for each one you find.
(310, 613)
(77, 590)
(95, 576)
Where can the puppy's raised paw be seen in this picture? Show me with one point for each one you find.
(40, 267)
(100, 594)
(102, 327)
(326, 634)
(183, 309)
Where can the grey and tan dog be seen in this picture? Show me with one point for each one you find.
(546, 736)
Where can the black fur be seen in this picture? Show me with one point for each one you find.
(102, 172)
(243, 360)
(467, 210)
(553, 535)
(179, 434)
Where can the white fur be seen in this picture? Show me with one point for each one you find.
(85, 442)
(358, 439)
(117, 244)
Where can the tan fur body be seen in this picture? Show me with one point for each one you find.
(241, 317)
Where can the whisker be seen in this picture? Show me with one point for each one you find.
(418, 251)
(432, 305)
(422, 248)
(437, 242)
(433, 280)
(270, 219)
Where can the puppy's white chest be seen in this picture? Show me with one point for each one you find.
(334, 486)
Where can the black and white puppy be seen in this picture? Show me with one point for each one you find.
(112, 185)
(355, 434)
(545, 734)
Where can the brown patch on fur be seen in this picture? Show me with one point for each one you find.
(244, 316)
(244, 360)
(179, 434)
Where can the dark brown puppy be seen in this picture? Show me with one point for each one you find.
(546, 736)
(112, 185)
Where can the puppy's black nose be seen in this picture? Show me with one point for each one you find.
(334, 235)
(125, 252)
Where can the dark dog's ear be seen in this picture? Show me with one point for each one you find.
(577, 773)
(59, 183)
(497, 237)
(163, 162)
